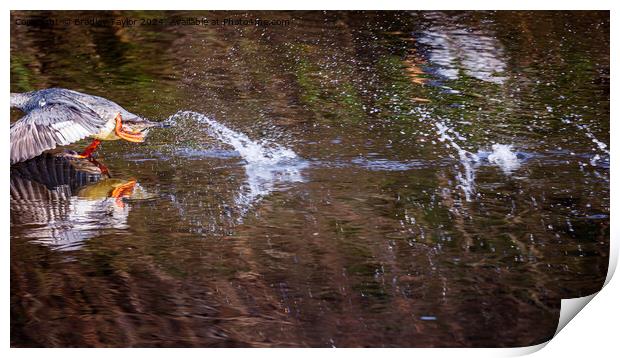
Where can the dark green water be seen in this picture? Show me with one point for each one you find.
(397, 223)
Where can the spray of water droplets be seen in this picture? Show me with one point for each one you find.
(267, 165)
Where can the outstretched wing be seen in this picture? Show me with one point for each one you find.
(46, 127)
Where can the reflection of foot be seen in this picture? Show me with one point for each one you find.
(121, 191)
(104, 169)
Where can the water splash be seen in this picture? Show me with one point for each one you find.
(267, 165)
(467, 176)
(601, 158)
(588, 133)
(504, 157)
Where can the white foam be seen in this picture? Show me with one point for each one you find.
(504, 158)
(467, 159)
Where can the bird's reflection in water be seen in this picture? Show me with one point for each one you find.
(65, 201)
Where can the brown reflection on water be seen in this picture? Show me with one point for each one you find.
(374, 243)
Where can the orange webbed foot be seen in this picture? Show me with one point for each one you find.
(88, 151)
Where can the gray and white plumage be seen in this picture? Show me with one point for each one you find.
(46, 195)
(58, 116)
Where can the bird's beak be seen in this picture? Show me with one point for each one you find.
(135, 137)
(130, 136)
(162, 124)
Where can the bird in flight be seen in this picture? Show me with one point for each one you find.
(58, 116)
